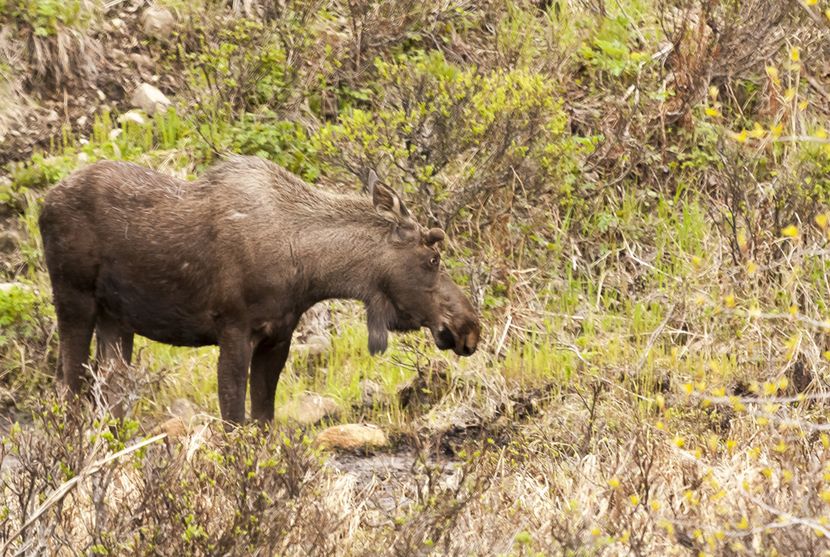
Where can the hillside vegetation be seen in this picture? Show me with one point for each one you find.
(636, 195)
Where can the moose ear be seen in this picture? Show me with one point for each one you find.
(386, 201)
(433, 236)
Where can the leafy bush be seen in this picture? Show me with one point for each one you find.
(454, 138)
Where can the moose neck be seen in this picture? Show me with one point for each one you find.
(342, 261)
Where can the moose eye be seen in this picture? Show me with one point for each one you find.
(435, 260)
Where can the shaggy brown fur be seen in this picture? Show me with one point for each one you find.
(234, 259)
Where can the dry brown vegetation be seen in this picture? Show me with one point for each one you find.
(636, 194)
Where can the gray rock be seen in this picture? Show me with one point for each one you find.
(182, 408)
(158, 22)
(309, 409)
(371, 394)
(9, 240)
(9, 286)
(132, 116)
(149, 99)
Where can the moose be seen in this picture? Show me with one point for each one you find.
(234, 259)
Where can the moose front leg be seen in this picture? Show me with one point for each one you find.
(234, 358)
(266, 365)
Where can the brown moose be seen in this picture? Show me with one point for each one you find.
(234, 259)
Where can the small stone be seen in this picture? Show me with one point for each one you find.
(9, 286)
(158, 22)
(141, 60)
(81, 121)
(309, 409)
(6, 399)
(148, 98)
(315, 345)
(9, 240)
(371, 394)
(352, 437)
(132, 116)
(182, 408)
(175, 428)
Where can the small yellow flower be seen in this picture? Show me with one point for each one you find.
(780, 447)
(826, 355)
(789, 94)
(614, 483)
(811, 2)
(751, 268)
(730, 445)
(783, 383)
(660, 425)
(688, 388)
(825, 440)
(827, 14)
(820, 133)
(739, 137)
(776, 130)
(822, 220)
(795, 54)
(655, 505)
(635, 499)
(696, 261)
(712, 112)
(743, 243)
(743, 524)
(767, 472)
(790, 231)
(825, 495)
(679, 442)
(772, 72)
(787, 476)
(729, 301)
(596, 532)
(757, 131)
(803, 105)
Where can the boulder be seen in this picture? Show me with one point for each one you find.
(309, 409)
(352, 437)
(149, 99)
(158, 22)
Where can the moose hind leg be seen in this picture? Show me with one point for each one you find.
(113, 355)
(266, 365)
(75, 310)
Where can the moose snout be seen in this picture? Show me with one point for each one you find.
(463, 343)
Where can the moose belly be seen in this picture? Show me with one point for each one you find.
(160, 310)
